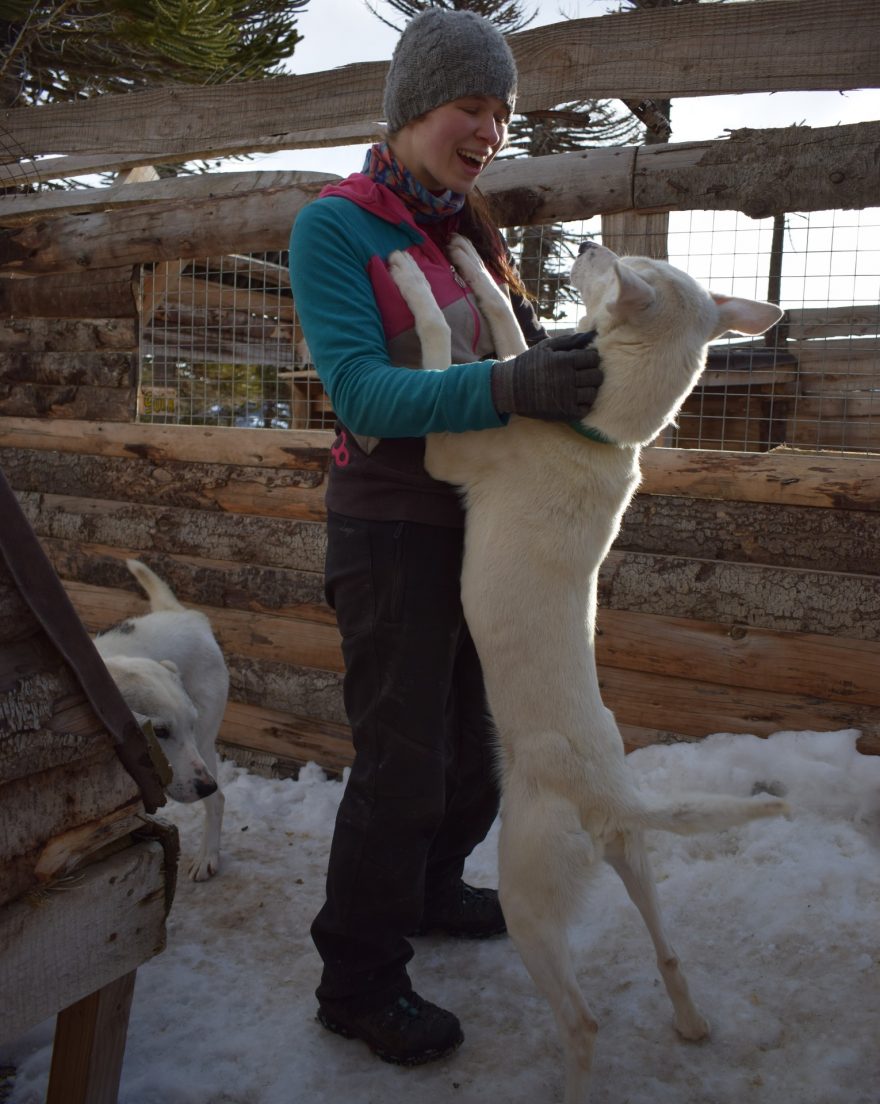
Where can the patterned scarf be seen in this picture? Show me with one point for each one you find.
(382, 166)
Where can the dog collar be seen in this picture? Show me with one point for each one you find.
(591, 434)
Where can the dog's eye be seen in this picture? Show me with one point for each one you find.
(162, 732)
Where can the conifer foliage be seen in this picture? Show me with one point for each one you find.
(62, 50)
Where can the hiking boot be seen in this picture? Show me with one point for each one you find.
(408, 1031)
(468, 913)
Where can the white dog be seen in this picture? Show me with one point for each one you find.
(170, 671)
(544, 504)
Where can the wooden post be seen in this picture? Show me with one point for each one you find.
(90, 1045)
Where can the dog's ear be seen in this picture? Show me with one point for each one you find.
(633, 293)
(746, 316)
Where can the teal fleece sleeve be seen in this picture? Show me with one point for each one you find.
(342, 325)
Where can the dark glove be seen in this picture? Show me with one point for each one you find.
(556, 380)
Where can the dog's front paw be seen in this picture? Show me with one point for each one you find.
(402, 267)
(465, 257)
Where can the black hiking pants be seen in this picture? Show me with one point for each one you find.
(422, 792)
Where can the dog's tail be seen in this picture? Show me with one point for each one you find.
(706, 812)
(160, 594)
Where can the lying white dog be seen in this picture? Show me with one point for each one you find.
(544, 503)
(170, 671)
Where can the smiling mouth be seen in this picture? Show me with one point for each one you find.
(473, 160)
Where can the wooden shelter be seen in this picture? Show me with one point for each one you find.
(743, 592)
(85, 881)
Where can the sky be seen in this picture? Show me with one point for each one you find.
(775, 923)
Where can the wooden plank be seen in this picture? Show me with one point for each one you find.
(79, 401)
(285, 592)
(261, 491)
(180, 291)
(65, 368)
(776, 174)
(778, 598)
(158, 232)
(693, 50)
(62, 946)
(784, 475)
(523, 191)
(106, 293)
(772, 597)
(283, 736)
(90, 1046)
(21, 210)
(797, 478)
(271, 542)
(274, 448)
(753, 532)
(43, 335)
(828, 667)
(831, 433)
(52, 818)
(814, 322)
(697, 708)
(303, 643)
(277, 685)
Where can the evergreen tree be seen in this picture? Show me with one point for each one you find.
(62, 50)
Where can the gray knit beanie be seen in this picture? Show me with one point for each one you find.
(441, 56)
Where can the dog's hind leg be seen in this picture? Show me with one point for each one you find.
(543, 853)
(629, 858)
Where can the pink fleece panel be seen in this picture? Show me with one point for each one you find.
(396, 315)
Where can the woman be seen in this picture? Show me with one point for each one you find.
(422, 791)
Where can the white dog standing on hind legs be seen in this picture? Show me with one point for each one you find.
(171, 672)
(544, 504)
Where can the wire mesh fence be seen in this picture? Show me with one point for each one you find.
(221, 344)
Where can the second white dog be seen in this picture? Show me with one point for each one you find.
(544, 504)
(170, 671)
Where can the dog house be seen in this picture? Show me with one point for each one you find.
(86, 881)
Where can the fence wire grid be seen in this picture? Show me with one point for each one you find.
(221, 345)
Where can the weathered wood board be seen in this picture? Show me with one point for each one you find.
(69, 941)
(749, 583)
(689, 50)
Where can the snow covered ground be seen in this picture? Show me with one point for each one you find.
(776, 923)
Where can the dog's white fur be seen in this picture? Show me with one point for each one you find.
(170, 671)
(543, 507)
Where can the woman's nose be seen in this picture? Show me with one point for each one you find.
(490, 129)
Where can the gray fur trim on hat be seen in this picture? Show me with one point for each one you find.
(441, 56)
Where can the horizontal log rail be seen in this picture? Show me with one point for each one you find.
(758, 172)
(689, 50)
(789, 476)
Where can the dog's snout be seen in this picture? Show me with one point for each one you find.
(585, 245)
(205, 789)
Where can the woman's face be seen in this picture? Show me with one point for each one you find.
(450, 146)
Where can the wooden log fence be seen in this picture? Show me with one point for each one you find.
(743, 593)
(726, 604)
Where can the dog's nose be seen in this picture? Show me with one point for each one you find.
(585, 245)
(205, 789)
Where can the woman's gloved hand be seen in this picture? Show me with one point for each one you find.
(555, 380)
